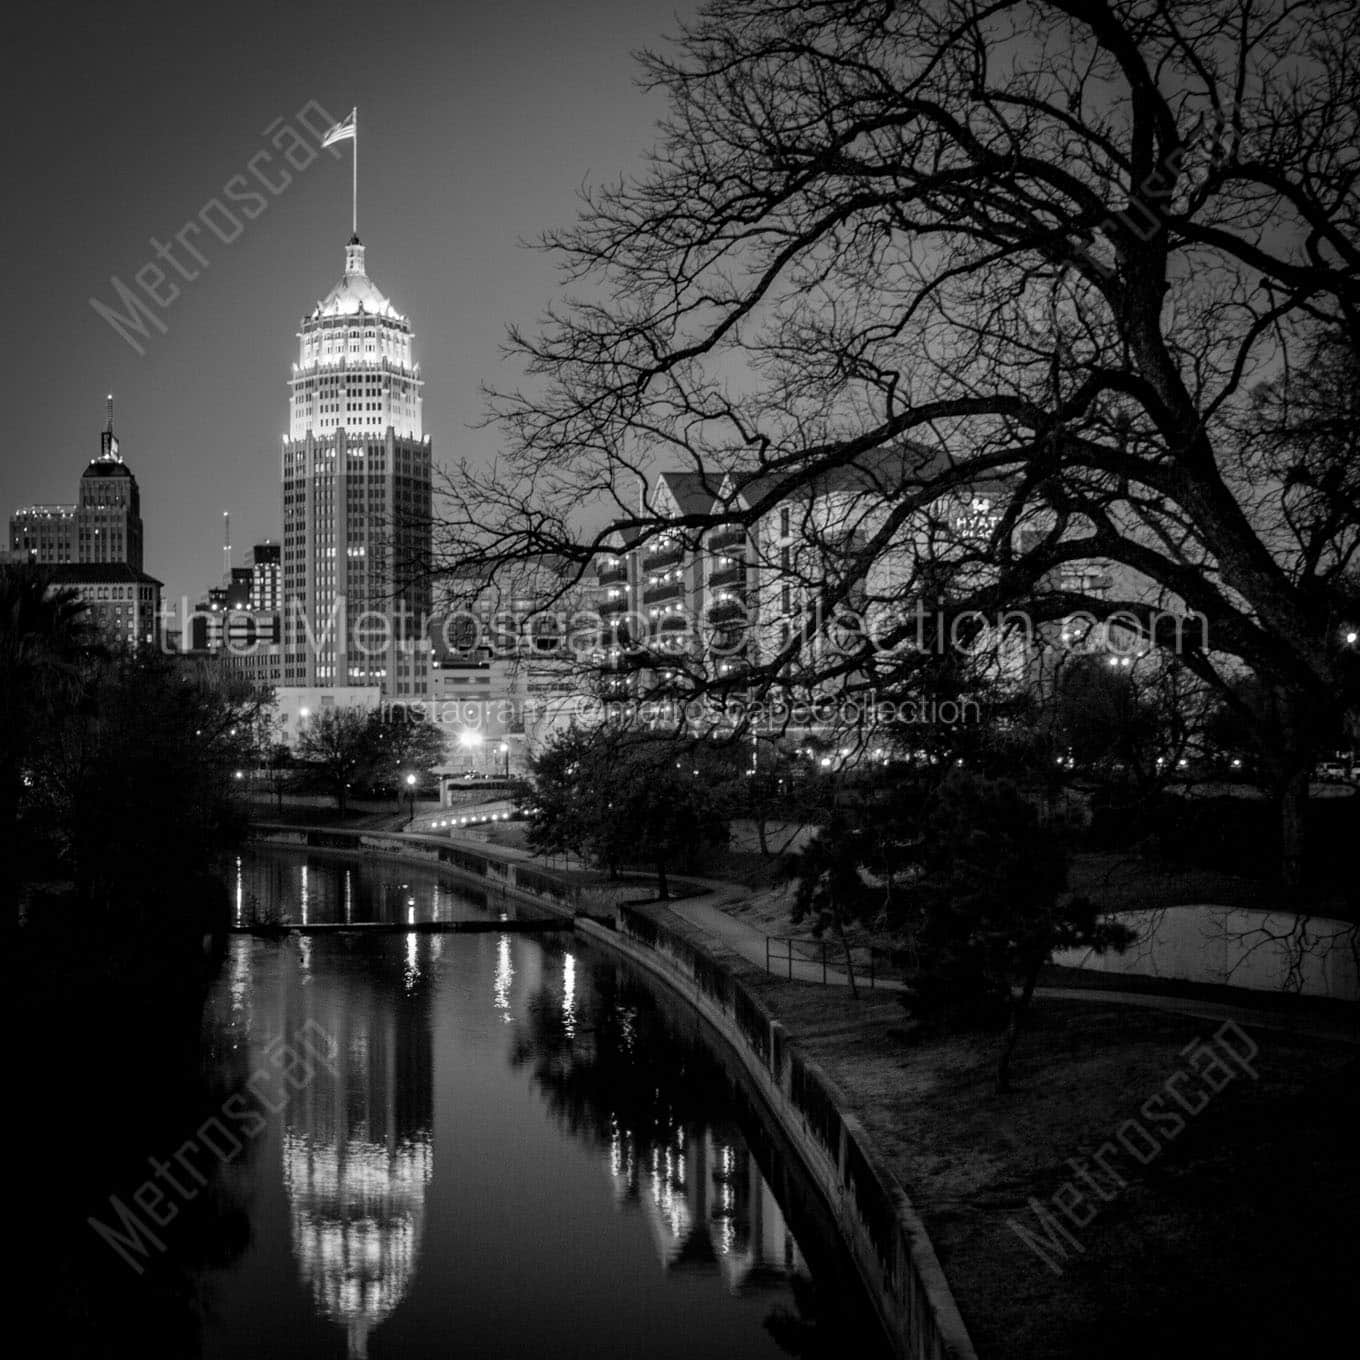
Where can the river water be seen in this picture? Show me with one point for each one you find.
(491, 1145)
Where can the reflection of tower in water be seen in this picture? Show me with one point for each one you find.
(707, 1205)
(357, 1153)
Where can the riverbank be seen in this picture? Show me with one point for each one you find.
(1248, 1202)
(1251, 1205)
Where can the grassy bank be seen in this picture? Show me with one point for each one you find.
(1238, 1238)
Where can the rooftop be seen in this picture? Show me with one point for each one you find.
(98, 573)
(107, 467)
(356, 294)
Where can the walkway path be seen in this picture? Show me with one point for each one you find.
(709, 915)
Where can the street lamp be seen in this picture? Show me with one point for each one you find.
(469, 740)
(411, 797)
(505, 751)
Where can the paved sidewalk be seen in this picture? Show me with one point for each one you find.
(708, 914)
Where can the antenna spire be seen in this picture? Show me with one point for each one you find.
(108, 441)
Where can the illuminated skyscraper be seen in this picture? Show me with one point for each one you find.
(356, 497)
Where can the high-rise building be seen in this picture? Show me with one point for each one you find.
(266, 585)
(103, 526)
(356, 497)
(94, 546)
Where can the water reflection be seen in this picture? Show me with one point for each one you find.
(317, 888)
(661, 1116)
(357, 1152)
(411, 1199)
(505, 975)
(356, 1142)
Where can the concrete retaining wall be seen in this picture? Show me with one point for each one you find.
(482, 865)
(883, 1233)
(1265, 951)
(494, 874)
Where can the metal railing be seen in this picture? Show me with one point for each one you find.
(729, 536)
(813, 957)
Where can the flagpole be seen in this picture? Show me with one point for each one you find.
(354, 188)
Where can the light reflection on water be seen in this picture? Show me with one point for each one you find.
(320, 888)
(505, 1155)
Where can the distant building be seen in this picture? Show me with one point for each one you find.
(711, 603)
(239, 588)
(298, 705)
(45, 534)
(104, 525)
(94, 546)
(237, 623)
(261, 663)
(266, 578)
(505, 671)
(356, 498)
(240, 630)
(125, 602)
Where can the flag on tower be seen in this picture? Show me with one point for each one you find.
(343, 131)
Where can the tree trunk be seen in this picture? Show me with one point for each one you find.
(1018, 1011)
(761, 839)
(849, 962)
(1293, 809)
(1293, 765)
(663, 887)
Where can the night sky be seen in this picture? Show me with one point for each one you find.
(478, 124)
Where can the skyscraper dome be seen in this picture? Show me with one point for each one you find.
(355, 293)
(354, 369)
(107, 467)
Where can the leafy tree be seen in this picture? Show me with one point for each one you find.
(570, 779)
(663, 810)
(337, 743)
(963, 871)
(45, 638)
(988, 906)
(140, 786)
(936, 252)
(767, 789)
(623, 797)
(830, 886)
(402, 742)
(1108, 717)
(280, 761)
